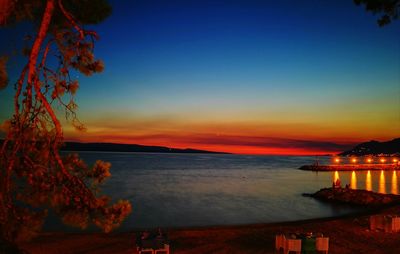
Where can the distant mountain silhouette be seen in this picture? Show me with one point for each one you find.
(113, 147)
(374, 148)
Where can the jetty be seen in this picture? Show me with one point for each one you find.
(351, 167)
(355, 197)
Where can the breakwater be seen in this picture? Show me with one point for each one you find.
(351, 167)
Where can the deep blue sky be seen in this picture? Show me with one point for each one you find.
(245, 48)
(315, 70)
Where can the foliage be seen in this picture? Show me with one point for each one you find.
(389, 9)
(3, 72)
(34, 176)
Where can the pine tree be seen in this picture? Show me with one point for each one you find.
(34, 176)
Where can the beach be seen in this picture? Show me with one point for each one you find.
(347, 234)
(192, 133)
(265, 198)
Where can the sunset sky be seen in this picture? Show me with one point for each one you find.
(259, 77)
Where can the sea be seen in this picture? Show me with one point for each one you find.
(196, 190)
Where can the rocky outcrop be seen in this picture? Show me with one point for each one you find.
(356, 197)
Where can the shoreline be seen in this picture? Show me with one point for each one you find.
(366, 212)
(347, 233)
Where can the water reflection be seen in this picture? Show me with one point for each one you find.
(368, 182)
(336, 176)
(394, 183)
(382, 183)
(353, 182)
(374, 181)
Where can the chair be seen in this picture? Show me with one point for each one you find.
(280, 242)
(396, 224)
(308, 245)
(145, 251)
(154, 242)
(164, 250)
(376, 222)
(373, 222)
(292, 245)
(387, 224)
(322, 244)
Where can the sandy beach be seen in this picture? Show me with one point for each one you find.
(347, 234)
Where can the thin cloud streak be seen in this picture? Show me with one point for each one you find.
(228, 143)
(269, 142)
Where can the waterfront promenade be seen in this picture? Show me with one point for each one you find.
(351, 167)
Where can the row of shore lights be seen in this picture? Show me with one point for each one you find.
(369, 160)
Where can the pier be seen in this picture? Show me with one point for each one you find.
(351, 167)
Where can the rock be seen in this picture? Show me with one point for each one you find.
(357, 197)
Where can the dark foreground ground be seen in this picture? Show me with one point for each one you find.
(347, 235)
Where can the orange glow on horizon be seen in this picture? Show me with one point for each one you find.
(261, 150)
(220, 140)
(250, 150)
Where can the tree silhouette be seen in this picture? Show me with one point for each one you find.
(388, 8)
(34, 177)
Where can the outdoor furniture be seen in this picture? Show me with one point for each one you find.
(146, 251)
(396, 224)
(292, 245)
(152, 243)
(162, 250)
(386, 223)
(322, 244)
(280, 242)
(301, 243)
(308, 244)
(375, 222)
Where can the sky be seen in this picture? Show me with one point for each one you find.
(249, 77)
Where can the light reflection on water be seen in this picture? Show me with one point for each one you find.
(336, 176)
(382, 185)
(378, 181)
(353, 184)
(394, 183)
(368, 182)
(180, 190)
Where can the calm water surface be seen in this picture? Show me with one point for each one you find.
(179, 190)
